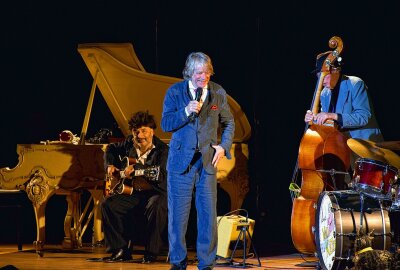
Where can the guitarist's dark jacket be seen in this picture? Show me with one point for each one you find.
(157, 157)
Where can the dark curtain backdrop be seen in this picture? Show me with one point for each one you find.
(262, 52)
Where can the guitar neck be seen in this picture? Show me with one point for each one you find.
(151, 173)
(139, 172)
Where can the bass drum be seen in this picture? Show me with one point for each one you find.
(337, 220)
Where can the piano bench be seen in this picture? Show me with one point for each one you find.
(16, 213)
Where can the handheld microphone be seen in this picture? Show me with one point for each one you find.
(199, 93)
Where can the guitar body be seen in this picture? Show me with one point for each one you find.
(110, 184)
(126, 186)
(142, 178)
(140, 184)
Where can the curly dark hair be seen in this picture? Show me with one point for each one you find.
(140, 119)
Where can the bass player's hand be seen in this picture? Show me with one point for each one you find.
(309, 116)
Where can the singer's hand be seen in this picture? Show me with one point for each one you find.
(219, 154)
(193, 106)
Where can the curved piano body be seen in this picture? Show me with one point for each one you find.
(122, 79)
(48, 169)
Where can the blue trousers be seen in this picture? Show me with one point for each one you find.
(180, 191)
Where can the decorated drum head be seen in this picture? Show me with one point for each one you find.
(326, 232)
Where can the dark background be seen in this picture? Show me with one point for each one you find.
(262, 53)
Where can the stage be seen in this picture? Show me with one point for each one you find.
(57, 258)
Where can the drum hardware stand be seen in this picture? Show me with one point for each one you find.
(384, 234)
(346, 234)
(371, 210)
(361, 210)
(332, 173)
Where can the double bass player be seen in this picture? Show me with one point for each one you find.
(345, 100)
(340, 109)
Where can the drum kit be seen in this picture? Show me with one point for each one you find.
(371, 204)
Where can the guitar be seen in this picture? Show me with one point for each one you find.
(142, 178)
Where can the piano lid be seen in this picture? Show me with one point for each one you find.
(122, 80)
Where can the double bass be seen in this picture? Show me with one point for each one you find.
(324, 159)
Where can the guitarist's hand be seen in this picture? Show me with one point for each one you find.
(128, 171)
(111, 169)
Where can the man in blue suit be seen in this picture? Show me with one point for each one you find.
(195, 110)
(345, 100)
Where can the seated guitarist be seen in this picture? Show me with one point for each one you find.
(148, 151)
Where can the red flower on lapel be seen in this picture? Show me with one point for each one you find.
(214, 107)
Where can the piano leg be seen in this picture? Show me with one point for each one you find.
(70, 222)
(85, 217)
(40, 227)
(71, 219)
(98, 235)
(39, 192)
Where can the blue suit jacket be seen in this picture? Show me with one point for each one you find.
(355, 110)
(215, 113)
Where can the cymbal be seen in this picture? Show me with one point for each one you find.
(392, 145)
(369, 149)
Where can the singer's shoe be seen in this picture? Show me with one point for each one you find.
(177, 267)
(181, 266)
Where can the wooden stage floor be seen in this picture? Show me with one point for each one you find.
(56, 258)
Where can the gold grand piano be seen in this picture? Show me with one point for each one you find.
(53, 168)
